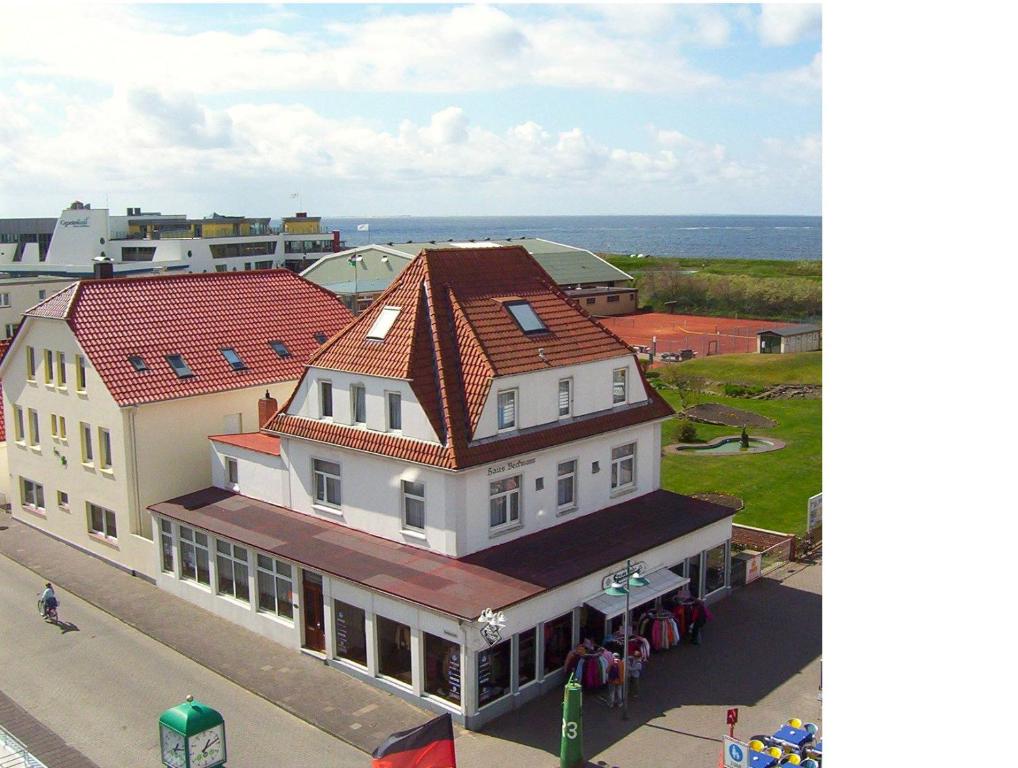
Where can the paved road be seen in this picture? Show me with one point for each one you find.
(101, 685)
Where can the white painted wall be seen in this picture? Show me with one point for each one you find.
(259, 475)
(306, 402)
(537, 393)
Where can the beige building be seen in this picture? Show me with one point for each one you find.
(18, 294)
(112, 387)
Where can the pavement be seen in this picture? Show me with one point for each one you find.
(760, 653)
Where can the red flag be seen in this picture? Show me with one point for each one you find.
(426, 746)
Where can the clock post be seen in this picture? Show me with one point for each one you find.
(192, 735)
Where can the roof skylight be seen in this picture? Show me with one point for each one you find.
(383, 323)
(320, 337)
(138, 362)
(179, 366)
(526, 317)
(279, 348)
(233, 358)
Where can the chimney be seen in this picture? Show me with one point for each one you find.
(103, 269)
(267, 407)
(336, 242)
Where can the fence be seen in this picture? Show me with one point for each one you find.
(14, 754)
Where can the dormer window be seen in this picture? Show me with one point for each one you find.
(383, 323)
(619, 390)
(507, 409)
(233, 358)
(279, 348)
(179, 366)
(138, 363)
(525, 316)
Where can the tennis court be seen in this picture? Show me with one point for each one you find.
(704, 335)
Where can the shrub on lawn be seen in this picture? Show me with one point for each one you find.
(686, 431)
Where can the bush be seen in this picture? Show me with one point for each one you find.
(686, 431)
(742, 390)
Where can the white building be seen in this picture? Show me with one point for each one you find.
(19, 294)
(473, 441)
(111, 388)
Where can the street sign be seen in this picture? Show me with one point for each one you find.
(814, 512)
(736, 753)
(733, 716)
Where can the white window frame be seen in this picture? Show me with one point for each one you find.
(362, 390)
(406, 496)
(234, 562)
(388, 411)
(559, 477)
(616, 465)
(5, 299)
(515, 393)
(569, 398)
(107, 521)
(31, 494)
(273, 571)
(63, 500)
(322, 476)
(384, 321)
(326, 402)
(625, 386)
(507, 495)
(105, 449)
(187, 537)
(166, 538)
(232, 472)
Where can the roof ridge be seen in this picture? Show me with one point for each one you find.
(472, 419)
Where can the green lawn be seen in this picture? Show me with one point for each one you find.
(754, 267)
(756, 369)
(776, 485)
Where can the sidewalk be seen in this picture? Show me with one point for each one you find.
(348, 709)
(40, 741)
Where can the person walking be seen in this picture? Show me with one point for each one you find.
(635, 666)
(700, 615)
(616, 679)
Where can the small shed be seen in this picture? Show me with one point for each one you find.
(791, 338)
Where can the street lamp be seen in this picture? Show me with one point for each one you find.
(617, 589)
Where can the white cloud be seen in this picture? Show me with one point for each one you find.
(795, 84)
(782, 24)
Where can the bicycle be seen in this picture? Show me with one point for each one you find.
(48, 612)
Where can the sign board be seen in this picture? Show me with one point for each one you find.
(733, 716)
(621, 576)
(753, 566)
(813, 512)
(736, 753)
(491, 622)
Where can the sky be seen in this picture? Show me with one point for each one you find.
(424, 110)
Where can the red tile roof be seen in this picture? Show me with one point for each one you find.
(452, 337)
(195, 316)
(253, 441)
(494, 578)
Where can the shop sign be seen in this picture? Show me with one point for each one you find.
(509, 465)
(736, 753)
(753, 568)
(621, 576)
(813, 512)
(491, 622)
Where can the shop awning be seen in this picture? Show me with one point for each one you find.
(661, 581)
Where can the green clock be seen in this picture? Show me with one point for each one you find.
(192, 735)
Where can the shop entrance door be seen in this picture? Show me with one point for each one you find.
(314, 613)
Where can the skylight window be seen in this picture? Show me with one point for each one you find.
(526, 317)
(233, 358)
(138, 362)
(179, 366)
(320, 337)
(279, 348)
(383, 323)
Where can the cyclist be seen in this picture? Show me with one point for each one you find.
(48, 602)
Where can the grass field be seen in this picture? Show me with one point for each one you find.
(776, 485)
(755, 369)
(754, 267)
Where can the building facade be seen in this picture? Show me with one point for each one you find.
(473, 446)
(113, 386)
(19, 294)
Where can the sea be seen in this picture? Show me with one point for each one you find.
(792, 238)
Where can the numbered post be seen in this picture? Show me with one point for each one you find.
(571, 753)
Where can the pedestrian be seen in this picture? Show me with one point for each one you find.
(700, 615)
(616, 678)
(635, 666)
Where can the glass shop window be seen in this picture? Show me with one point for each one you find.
(494, 670)
(393, 649)
(442, 668)
(351, 637)
(526, 658)
(693, 572)
(558, 639)
(715, 577)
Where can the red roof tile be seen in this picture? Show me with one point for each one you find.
(494, 578)
(253, 441)
(195, 316)
(451, 338)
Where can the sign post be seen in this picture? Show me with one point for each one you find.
(736, 753)
(571, 751)
(733, 718)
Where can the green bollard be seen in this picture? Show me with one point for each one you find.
(571, 754)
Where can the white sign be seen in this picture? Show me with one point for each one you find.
(736, 753)
(753, 568)
(491, 623)
(814, 512)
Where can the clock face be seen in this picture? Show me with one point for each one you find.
(207, 748)
(173, 747)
